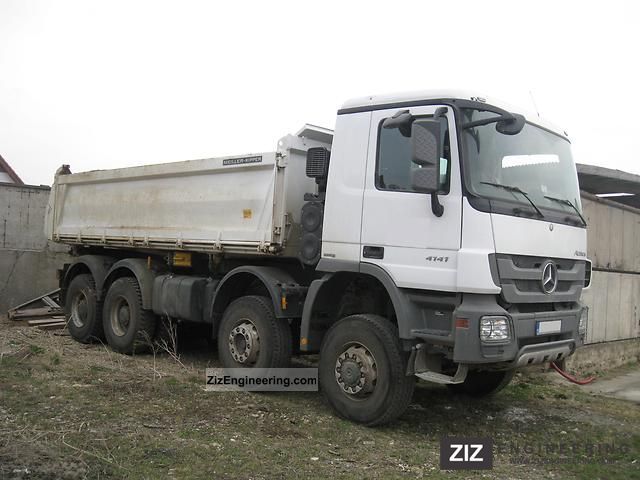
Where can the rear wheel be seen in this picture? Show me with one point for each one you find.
(127, 326)
(362, 370)
(483, 383)
(251, 336)
(83, 311)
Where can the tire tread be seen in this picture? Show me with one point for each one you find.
(146, 323)
(97, 332)
(282, 347)
(387, 332)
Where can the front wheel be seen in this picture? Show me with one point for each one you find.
(362, 370)
(482, 383)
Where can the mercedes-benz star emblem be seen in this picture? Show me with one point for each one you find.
(549, 280)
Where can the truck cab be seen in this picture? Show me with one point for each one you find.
(484, 262)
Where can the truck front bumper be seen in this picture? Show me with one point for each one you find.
(528, 343)
(543, 353)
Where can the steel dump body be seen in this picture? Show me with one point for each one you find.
(245, 204)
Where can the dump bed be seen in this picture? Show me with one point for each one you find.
(243, 204)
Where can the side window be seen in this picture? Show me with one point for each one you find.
(394, 165)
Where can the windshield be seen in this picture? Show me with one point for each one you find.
(534, 161)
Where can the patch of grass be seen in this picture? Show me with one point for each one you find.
(36, 350)
(98, 369)
(97, 414)
(7, 361)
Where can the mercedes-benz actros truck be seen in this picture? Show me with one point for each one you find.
(433, 235)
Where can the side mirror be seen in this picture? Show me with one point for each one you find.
(317, 162)
(425, 143)
(511, 126)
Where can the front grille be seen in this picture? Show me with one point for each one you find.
(533, 285)
(520, 278)
(524, 261)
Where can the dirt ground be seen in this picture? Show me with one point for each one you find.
(77, 411)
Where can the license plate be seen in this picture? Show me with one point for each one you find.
(545, 328)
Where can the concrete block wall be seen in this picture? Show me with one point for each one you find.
(613, 237)
(28, 262)
(605, 355)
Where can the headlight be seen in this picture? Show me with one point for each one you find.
(494, 329)
(584, 318)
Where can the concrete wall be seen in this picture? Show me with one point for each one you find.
(28, 262)
(613, 237)
(605, 355)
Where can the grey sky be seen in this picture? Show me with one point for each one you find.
(109, 84)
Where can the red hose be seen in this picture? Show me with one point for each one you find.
(572, 379)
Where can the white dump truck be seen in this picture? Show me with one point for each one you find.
(434, 235)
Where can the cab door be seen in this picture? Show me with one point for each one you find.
(400, 233)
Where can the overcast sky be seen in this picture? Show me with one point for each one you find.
(109, 84)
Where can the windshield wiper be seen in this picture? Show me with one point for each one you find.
(565, 201)
(510, 188)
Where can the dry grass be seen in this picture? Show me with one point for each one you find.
(82, 411)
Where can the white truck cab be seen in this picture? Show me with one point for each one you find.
(436, 235)
(475, 227)
(371, 202)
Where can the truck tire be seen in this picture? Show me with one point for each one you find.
(82, 310)
(128, 327)
(250, 335)
(482, 383)
(362, 370)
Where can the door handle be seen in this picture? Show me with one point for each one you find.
(373, 252)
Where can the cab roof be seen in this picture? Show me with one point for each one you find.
(406, 99)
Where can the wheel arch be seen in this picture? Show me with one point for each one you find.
(333, 285)
(95, 265)
(133, 267)
(269, 281)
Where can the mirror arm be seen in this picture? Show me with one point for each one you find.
(436, 207)
(440, 111)
(487, 121)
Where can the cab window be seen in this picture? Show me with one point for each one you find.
(394, 165)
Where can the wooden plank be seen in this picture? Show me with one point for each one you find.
(34, 313)
(54, 293)
(45, 321)
(52, 326)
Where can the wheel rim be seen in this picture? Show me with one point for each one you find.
(356, 371)
(244, 342)
(79, 309)
(120, 316)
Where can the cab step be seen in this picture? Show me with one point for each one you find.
(435, 377)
